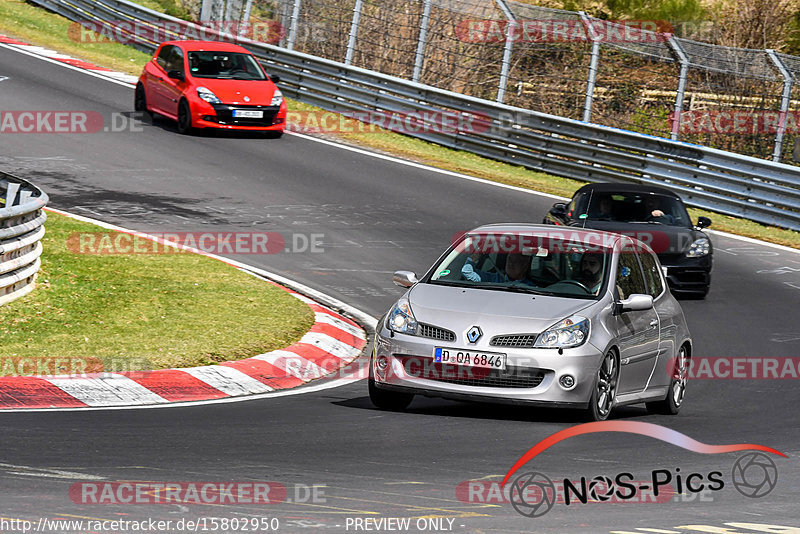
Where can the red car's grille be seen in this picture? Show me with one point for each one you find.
(225, 115)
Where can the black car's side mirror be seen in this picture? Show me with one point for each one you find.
(176, 75)
(703, 222)
(559, 209)
(275, 78)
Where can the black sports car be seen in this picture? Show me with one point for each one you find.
(652, 214)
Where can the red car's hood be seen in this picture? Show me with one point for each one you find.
(238, 91)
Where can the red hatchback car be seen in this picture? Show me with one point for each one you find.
(209, 84)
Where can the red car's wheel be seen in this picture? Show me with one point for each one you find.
(140, 100)
(184, 118)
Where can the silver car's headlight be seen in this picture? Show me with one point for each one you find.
(401, 318)
(571, 332)
(207, 95)
(701, 247)
(277, 98)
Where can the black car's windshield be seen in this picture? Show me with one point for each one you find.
(224, 65)
(525, 264)
(632, 207)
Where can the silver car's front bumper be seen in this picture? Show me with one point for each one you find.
(409, 368)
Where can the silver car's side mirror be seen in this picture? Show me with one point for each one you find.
(636, 302)
(404, 278)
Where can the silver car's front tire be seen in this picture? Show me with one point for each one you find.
(671, 405)
(605, 388)
(389, 400)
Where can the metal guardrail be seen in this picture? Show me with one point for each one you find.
(756, 189)
(21, 231)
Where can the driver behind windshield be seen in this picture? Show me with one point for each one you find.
(591, 271)
(518, 270)
(652, 205)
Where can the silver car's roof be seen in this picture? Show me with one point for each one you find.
(577, 232)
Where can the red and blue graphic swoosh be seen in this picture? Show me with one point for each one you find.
(633, 427)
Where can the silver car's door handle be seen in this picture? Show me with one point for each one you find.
(654, 322)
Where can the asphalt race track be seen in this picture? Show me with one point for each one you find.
(374, 216)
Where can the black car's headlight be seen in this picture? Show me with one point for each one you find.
(571, 332)
(401, 318)
(701, 247)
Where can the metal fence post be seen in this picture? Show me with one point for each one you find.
(351, 43)
(423, 36)
(677, 49)
(785, 98)
(293, 25)
(592, 79)
(505, 66)
(244, 24)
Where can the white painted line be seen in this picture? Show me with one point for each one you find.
(784, 248)
(228, 380)
(49, 472)
(330, 345)
(112, 390)
(3, 78)
(96, 74)
(408, 163)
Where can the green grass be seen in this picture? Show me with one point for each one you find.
(154, 311)
(21, 20)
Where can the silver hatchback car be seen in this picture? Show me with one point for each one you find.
(539, 315)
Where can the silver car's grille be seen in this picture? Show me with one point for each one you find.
(514, 340)
(512, 377)
(434, 332)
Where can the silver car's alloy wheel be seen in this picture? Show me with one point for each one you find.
(679, 382)
(607, 384)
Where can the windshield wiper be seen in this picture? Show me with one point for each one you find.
(511, 288)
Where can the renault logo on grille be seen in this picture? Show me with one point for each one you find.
(474, 334)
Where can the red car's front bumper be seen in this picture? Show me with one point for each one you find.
(220, 116)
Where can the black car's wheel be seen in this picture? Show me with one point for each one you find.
(184, 118)
(388, 400)
(605, 389)
(671, 404)
(140, 100)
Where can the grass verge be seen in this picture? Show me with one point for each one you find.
(145, 311)
(26, 22)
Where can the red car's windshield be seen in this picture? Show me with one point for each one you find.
(224, 65)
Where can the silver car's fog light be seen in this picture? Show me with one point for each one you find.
(383, 363)
(567, 381)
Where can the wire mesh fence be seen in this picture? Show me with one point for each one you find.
(630, 74)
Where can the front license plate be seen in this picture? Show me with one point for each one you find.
(248, 114)
(470, 358)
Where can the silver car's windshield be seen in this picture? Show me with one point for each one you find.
(529, 263)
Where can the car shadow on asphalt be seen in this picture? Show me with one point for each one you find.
(168, 125)
(503, 412)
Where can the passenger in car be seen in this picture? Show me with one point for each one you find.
(518, 269)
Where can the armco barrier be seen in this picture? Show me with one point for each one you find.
(748, 187)
(21, 229)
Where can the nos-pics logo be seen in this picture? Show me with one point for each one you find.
(533, 494)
